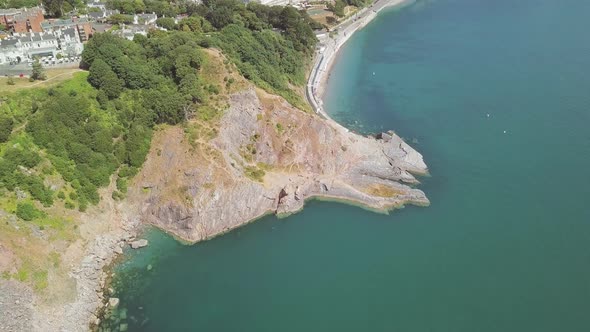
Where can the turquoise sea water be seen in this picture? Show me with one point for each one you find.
(505, 245)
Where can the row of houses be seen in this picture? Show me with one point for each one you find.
(28, 34)
(22, 20)
(24, 47)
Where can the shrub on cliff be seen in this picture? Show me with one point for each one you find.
(6, 124)
(28, 212)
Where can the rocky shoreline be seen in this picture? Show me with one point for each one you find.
(91, 275)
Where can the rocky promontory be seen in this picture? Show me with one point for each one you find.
(269, 157)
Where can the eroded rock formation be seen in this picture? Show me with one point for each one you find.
(269, 158)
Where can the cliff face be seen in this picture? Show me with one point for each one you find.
(268, 157)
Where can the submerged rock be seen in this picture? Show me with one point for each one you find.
(123, 314)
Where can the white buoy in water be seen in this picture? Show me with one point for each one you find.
(504, 131)
(373, 73)
(488, 115)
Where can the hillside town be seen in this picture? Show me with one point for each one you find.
(27, 34)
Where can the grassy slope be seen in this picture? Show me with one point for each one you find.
(35, 246)
(32, 249)
(54, 77)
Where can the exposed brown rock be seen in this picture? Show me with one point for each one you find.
(268, 158)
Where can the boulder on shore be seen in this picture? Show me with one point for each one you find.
(139, 244)
(113, 302)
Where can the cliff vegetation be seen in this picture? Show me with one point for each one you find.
(61, 144)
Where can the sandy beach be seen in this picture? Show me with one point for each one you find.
(329, 46)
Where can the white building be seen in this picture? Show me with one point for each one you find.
(97, 4)
(129, 31)
(24, 47)
(69, 42)
(101, 15)
(146, 19)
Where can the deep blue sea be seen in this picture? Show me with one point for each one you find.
(496, 95)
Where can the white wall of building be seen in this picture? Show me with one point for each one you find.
(24, 47)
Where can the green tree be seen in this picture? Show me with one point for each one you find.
(191, 88)
(38, 72)
(120, 19)
(27, 211)
(122, 185)
(338, 8)
(166, 23)
(137, 145)
(56, 8)
(166, 103)
(6, 125)
(104, 78)
(195, 24)
(221, 12)
(97, 72)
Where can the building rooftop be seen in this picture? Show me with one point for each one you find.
(33, 36)
(58, 23)
(6, 43)
(71, 32)
(96, 15)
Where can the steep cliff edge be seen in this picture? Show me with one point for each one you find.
(268, 157)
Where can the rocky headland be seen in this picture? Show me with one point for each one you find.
(269, 158)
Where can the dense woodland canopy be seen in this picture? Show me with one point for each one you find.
(100, 123)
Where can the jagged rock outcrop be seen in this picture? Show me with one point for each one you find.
(269, 158)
